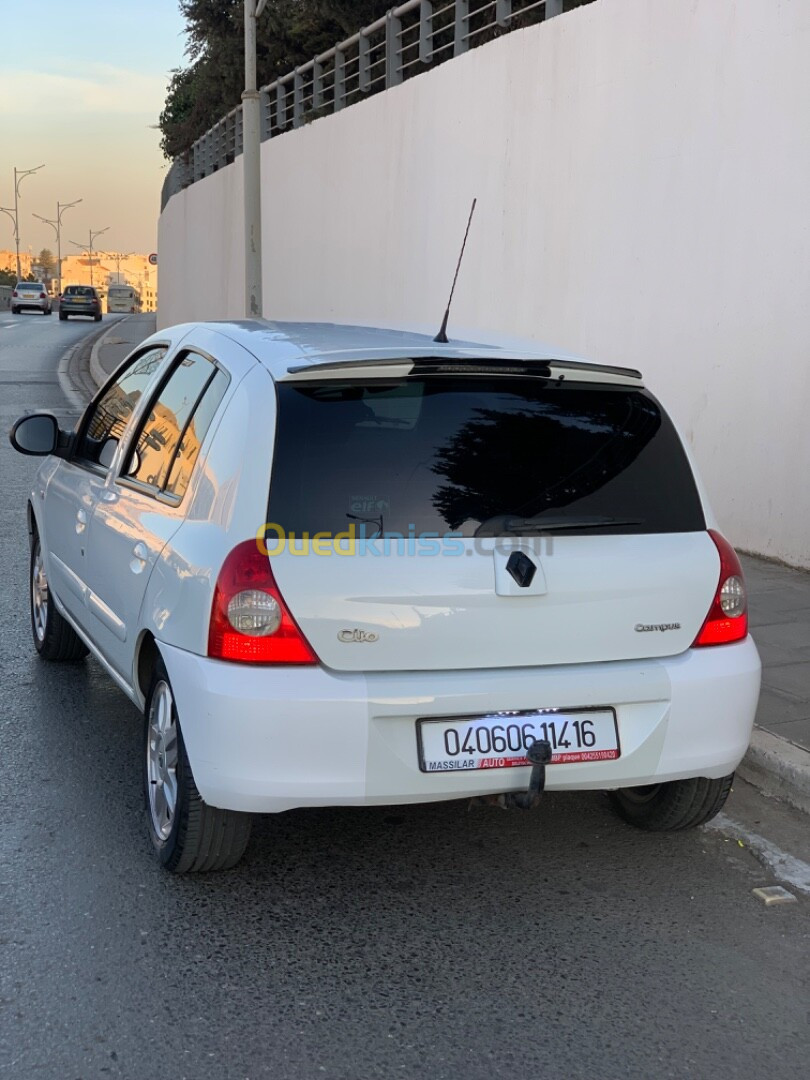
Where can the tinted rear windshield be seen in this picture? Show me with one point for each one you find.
(79, 290)
(477, 455)
(33, 285)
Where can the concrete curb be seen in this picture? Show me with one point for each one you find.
(778, 767)
(97, 372)
(71, 392)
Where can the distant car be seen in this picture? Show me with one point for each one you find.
(80, 300)
(336, 565)
(31, 295)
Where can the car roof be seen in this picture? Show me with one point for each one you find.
(286, 348)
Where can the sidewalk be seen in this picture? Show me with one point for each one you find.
(779, 597)
(119, 340)
(780, 625)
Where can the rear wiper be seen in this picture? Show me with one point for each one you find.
(507, 523)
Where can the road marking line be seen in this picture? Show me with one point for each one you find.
(783, 866)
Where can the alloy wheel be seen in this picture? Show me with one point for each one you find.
(161, 760)
(39, 596)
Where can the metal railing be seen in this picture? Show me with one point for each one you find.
(409, 39)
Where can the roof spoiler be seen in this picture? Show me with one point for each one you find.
(442, 365)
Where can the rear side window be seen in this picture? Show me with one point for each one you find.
(168, 442)
(479, 455)
(189, 447)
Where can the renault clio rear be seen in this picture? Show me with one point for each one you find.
(359, 569)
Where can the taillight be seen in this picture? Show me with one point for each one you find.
(14, 293)
(43, 296)
(250, 623)
(727, 620)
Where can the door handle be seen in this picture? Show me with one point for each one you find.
(141, 556)
(81, 521)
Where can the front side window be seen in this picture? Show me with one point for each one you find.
(106, 419)
(166, 447)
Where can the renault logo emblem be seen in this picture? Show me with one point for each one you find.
(522, 569)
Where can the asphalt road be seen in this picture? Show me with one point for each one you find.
(435, 942)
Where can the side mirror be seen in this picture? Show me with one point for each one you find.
(36, 435)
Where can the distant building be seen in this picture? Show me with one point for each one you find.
(8, 261)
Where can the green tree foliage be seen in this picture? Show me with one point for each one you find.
(289, 33)
(47, 260)
(9, 277)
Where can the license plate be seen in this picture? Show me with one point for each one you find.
(500, 740)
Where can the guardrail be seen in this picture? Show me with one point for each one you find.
(410, 39)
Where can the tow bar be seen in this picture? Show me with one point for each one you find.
(539, 754)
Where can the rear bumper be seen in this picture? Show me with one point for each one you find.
(266, 740)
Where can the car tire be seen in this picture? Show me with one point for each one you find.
(188, 835)
(97, 318)
(15, 311)
(62, 316)
(54, 637)
(679, 804)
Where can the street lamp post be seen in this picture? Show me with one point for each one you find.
(10, 213)
(19, 176)
(57, 227)
(89, 247)
(251, 163)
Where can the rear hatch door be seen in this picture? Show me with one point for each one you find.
(461, 521)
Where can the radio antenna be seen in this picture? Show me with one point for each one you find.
(441, 337)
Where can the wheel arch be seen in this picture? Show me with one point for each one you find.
(146, 656)
(31, 522)
(33, 526)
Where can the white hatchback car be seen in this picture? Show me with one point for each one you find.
(344, 566)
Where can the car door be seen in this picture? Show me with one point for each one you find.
(143, 503)
(78, 483)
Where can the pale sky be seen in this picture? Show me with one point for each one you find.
(81, 81)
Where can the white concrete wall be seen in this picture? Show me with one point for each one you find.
(643, 175)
